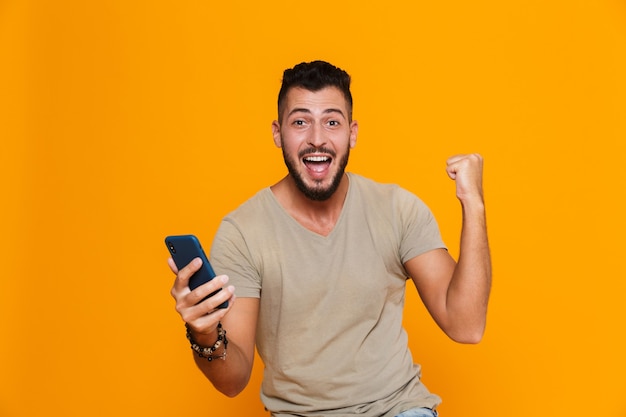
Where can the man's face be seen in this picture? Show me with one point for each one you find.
(316, 136)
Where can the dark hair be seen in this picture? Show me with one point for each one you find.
(314, 76)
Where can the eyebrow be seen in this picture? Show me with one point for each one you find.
(305, 110)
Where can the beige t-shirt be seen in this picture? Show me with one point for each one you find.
(330, 322)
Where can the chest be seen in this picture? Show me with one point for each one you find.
(355, 270)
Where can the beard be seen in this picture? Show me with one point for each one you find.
(317, 192)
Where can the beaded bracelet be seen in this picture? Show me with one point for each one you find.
(207, 352)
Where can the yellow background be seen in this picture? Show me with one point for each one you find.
(124, 121)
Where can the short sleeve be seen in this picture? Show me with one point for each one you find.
(230, 256)
(419, 229)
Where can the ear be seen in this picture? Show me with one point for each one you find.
(276, 133)
(354, 130)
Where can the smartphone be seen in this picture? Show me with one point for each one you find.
(185, 248)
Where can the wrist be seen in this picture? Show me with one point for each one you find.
(209, 352)
(473, 204)
(201, 338)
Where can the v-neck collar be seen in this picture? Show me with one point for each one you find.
(299, 225)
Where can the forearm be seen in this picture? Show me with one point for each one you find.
(468, 292)
(224, 335)
(229, 368)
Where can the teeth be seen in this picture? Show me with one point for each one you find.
(316, 159)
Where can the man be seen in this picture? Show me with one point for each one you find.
(319, 262)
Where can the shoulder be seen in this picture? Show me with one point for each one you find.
(245, 218)
(367, 185)
(381, 193)
(251, 208)
(399, 206)
(255, 220)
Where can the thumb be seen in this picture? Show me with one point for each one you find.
(172, 265)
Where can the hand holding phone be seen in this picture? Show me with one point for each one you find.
(184, 249)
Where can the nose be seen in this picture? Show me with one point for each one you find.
(317, 136)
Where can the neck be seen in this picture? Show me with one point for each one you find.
(317, 216)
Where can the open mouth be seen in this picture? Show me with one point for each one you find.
(317, 163)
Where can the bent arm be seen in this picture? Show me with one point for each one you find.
(231, 375)
(457, 293)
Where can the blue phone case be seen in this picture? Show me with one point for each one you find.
(185, 248)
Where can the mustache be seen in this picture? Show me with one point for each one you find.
(313, 149)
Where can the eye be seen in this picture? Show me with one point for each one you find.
(333, 123)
